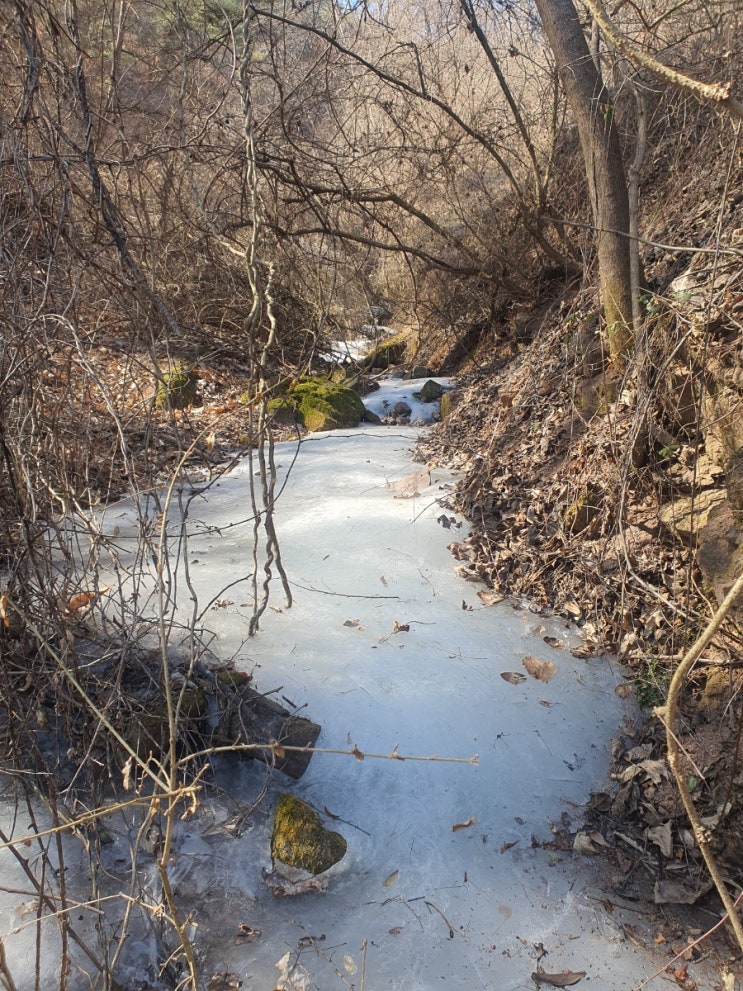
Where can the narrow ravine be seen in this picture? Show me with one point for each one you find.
(458, 869)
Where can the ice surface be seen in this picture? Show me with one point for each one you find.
(395, 390)
(436, 906)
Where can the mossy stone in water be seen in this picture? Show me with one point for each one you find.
(300, 840)
(320, 405)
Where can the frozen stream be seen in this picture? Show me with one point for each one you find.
(441, 882)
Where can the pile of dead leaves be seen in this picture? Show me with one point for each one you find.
(558, 513)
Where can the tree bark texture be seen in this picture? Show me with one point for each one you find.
(593, 111)
(244, 716)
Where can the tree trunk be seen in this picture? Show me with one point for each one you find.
(593, 112)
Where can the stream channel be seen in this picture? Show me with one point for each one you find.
(446, 883)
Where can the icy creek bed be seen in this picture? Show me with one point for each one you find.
(444, 884)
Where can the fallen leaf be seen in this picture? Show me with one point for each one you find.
(389, 881)
(541, 670)
(563, 980)
(463, 825)
(224, 982)
(553, 642)
(671, 892)
(83, 599)
(410, 486)
(571, 606)
(489, 597)
(352, 623)
(656, 770)
(292, 976)
(400, 627)
(661, 837)
(277, 750)
(349, 965)
(513, 677)
(583, 844)
(357, 753)
(728, 980)
(246, 934)
(623, 691)
(465, 607)
(507, 846)
(282, 886)
(395, 930)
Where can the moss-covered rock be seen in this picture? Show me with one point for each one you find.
(319, 404)
(386, 353)
(177, 388)
(300, 840)
(448, 402)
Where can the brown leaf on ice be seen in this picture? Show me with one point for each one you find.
(553, 642)
(563, 980)
(410, 486)
(513, 677)
(357, 753)
(390, 880)
(623, 690)
(352, 623)
(395, 930)
(281, 886)
(463, 825)
(541, 670)
(246, 934)
(224, 982)
(507, 846)
(489, 596)
(400, 627)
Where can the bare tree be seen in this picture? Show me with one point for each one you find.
(593, 112)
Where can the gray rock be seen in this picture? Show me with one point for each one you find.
(371, 417)
(431, 391)
(401, 409)
(418, 372)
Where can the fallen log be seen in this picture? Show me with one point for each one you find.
(244, 716)
(57, 732)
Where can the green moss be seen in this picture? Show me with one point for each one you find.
(319, 404)
(386, 353)
(231, 678)
(300, 840)
(177, 388)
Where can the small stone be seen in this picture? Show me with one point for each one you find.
(300, 840)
